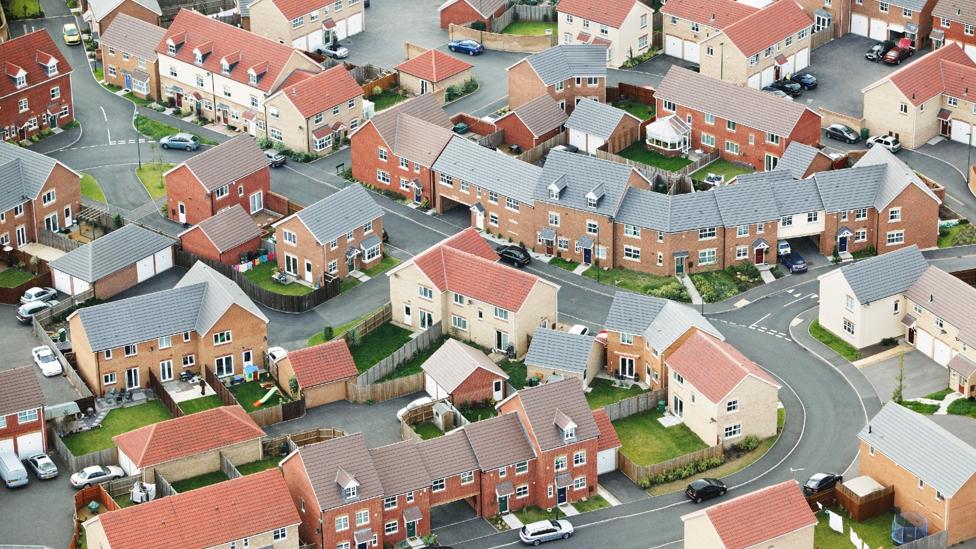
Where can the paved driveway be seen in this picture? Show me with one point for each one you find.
(922, 376)
(17, 340)
(457, 521)
(622, 487)
(40, 514)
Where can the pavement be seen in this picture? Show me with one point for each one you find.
(621, 487)
(923, 376)
(457, 521)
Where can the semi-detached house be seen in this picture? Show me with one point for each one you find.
(129, 55)
(954, 21)
(688, 23)
(893, 19)
(568, 73)
(306, 24)
(36, 91)
(625, 27)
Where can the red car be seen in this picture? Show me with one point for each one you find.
(899, 53)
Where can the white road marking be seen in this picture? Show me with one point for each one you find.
(954, 199)
(760, 320)
(799, 298)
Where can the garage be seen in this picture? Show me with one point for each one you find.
(435, 391)
(355, 24)
(879, 29)
(672, 46)
(802, 59)
(30, 444)
(164, 260)
(606, 461)
(753, 81)
(62, 282)
(340, 29)
(943, 353)
(315, 40)
(692, 50)
(923, 342)
(859, 24)
(960, 131)
(768, 76)
(787, 68)
(7, 446)
(145, 269)
(578, 139)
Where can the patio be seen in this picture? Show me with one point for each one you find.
(191, 389)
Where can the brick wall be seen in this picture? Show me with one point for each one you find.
(15, 429)
(366, 162)
(183, 187)
(131, 66)
(197, 243)
(524, 85)
(131, 8)
(476, 388)
(461, 13)
(919, 220)
(303, 495)
(894, 16)
(116, 282)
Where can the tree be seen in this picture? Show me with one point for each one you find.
(898, 394)
(327, 333)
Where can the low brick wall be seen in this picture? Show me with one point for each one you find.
(476, 124)
(503, 42)
(828, 117)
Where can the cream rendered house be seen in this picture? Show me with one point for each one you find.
(624, 26)
(687, 23)
(307, 24)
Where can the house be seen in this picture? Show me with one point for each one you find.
(395, 149)
(758, 49)
(594, 125)
(688, 23)
(326, 106)
(744, 125)
(459, 283)
(775, 516)
(225, 74)
(252, 510)
(954, 21)
(205, 320)
(224, 237)
(337, 235)
(432, 71)
(464, 12)
(36, 94)
(22, 430)
(553, 352)
(925, 99)
(736, 398)
(932, 471)
(129, 55)
(464, 375)
(506, 464)
(99, 14)
(306, 24)
(532, 123)
(894, 20)
(321, 371)
(190, 445)
(803, 160)
(113, 263)
(567, 73)
(623, 26)
(37, 193)
(404, 477)
(234, 172)
(643, 331)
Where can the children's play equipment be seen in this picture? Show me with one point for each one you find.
(262, 400)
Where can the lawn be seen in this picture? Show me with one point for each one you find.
(640, 110)
(530, 28)
(151, 175)
(386, 100)
(259, 465)
(118, 421)
(99, 74)
(716, 286)
(591, 504)
(603, 392)
(91, 189)
(200, 404)
(248, 393)
(922, 408)
(199, 481)
(338, 330)
(957, 235)
(535, 514)
(722, 167)
(638, 152)
(137, 100)
(876, 532)
(157, 130)
(347, 284)
(379, 344)
(12, 277)
(667, 287)
(387, 263)
(842, 347)
(261, 275)
(940, 395)
(22, 9)
(646, 442)
(963, 407)
(427, 431)
(480, 413)
(516, 371)
(413, 365)
(563, 263)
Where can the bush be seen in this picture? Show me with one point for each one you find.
(679, 473)
(748, 444)
(452, 92)
(674, 291)
(264, 143)
(376, 91)
(470, 85)
(743, 268)
(479, 25)
(327, 333)
(545, 17)
(117, 220)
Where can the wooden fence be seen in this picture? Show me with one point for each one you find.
(163, 486)
(522, 12)
(48, 316)
(825, 498)
(939, 540)
(121, 486)
(364, 328)
(263, 416)
(163, 395)
(869, 506)
(638, 473)
(12, 295)
(57, 241)
(66, 368)
(536, 153)
(379, 392)
(228, 468)
(108, 456)
(422, 341)
(822, 36)
(271, 446)
(635, 404)
(226, 397)
(652, 172)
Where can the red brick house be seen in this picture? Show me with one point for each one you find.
(36, 93)
(223, 237)
(882, 20)
(464, 375)
(99, 14)
(532, 123)
(568, 73)
(22, 429)
(463, 12)
(954, 21)
(234, 172)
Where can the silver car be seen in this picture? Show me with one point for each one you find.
(38, 294)
(889, 142)
(545, 530)
(43, 467)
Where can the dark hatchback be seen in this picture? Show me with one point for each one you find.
(822, 482)
(808, 81)
(515, 255)
(788, 87)
(705, 488)
(793, 262)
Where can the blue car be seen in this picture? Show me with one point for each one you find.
(793, 262)
(808, 81)
(469, 47)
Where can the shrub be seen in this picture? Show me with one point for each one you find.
(264, 143)
(678, 473)
(117, 220)
(293, 385)
(545, 17)
(748, 444)
(327, 333)
(470, 85)
(479, 25)
(452, 92)
(377, 90)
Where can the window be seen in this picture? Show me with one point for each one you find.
(894, 214)
(111, 70)
(952, 101)
(591, 202)
(939, 496)
(969, 30)
(592, 227)
(732, 431)
(458, 299)
(276, 134)
(22, 105)
(632, 231)
(695, 27)
(903, 108)
(742, 230)
(279, 534)
(108, 354)
(502, 472)
(49, 197)
(362, 517)
(189, 361)
(668, 105)
(732, 406)
(560, 463)
(467, 477)
(642, 40)
(501, 314)
(554, 219)
(390, 502)
(391, 527)
(493, 219)
(710, 119)
(906, 12)
(860, 214)
(425, 292)
(707, 140)
(883, 6)
(459, 323)
(298, 21)
(405, 164)
(706, 257)
(939, 323)
(626, 339)
(109, 379)
(741, 252)
(730, 125)
(342, 523)
(165, 342)
(383, 177)
(131, 350)
(27, 416)
(921, 484)
(437, 485)
(772, 138)
(290, 237)
(632, 253)
(706, 233)
(512, 204)
(382, 154)
(848, 326)
(732, 147)
(522, 491)
(559, 86)
(521, 467)
(812, 217)
(342, 545)
(220, 338)
(55, 92)
(562, 243)
(895, 237)
(849, 303)
(579, 458)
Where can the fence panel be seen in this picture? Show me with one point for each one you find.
(374, 321)
(272, 445)
(503, 42)
(935, 541)
(293, 410)
(266, 416)
(12, 295)
(226, 397)
(108, 456)
(228, 468)
(66, 368)
(387, 365)
(493, 140)
(164, 396)
(536, 153)
(822, 36)
(163, 487)
(57, 240)
(863, 508)
(379, 392)
(635, 404)
(120, 486)
(638, 473)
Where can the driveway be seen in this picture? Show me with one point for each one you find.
(922, 376)
(621, 487)
(40, 514)
(456, 521)
(17, 340)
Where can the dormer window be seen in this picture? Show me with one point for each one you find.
(224, 66)
(252, 78)
(569, 434)
(52, 68)
(197, 56)
(171, 48)
(21, 80)
(350, 492)
(553, 193)
(348, 484)
(591, 201)
(566, 425)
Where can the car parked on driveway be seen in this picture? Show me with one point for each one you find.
(807, 80)
(788, 87)
(821, 482)
(469, 47)
(46, 361)
(185, 141)
(27, 311)
(38, 294)
(896, 55)
(516, 255)
(793, 262)
(275, 158)
(96, 474)
(777, 92)
(335, 52)
(705, 488)
(842, 132)
(12, 471)
(783, 247)
(536, 533)
(889, 142)
(43, 466)
(877, 51)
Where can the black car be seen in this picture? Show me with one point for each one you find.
(705, 488)
(516, 255)
(841, 132)
(807, 81)
(821, 482)
(793, 262)
(878, 50)
(788, 87)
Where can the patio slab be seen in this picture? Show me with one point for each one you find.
(182, 391)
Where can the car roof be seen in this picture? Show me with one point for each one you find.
(539, 525)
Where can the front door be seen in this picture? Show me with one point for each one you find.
(132, 378)
(128, 81)
(411, 529)
(351, 262)
(479, 221)
(587, 255)
(627, 366)
(308, 271)
(760, 256)
(424, 87)
(179, 100)
(945, 128)
(561, 495)
(166, 370)
(67, 216)
(677, 406)
(502, 504)
(911, 336)
(548, 247)
(257, 202)
(842, 244)
(363, 545)
(426, 320)
(418, 195)
(407, 319)
(679, 266)
(182, 212)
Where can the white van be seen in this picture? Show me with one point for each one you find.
(12, 471)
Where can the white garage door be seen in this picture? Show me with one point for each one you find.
(315, 40)
(577, 138)
(127, 465)
(79, 285)
(802, 59)
(164, 260)
(672, 46)
(789, 66)
(943, 353)
(300, 43)
(754, 81)
(355, 24)
(923, 342)
(30, 444)
(859, 24)
(691, 51)
(7, 446)
(960, 131)
(879, 29)
(606, 461)
(145, 269)
(768, 76)
(971, 51)
(340, 29)
(62, 281)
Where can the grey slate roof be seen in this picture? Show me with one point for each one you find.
(914, 5)
(349, 453)
(595, 118)
(418, 140)
(921, 447)
(963, 11)
(694, 211)
(797, 196)
(454, 362)
(19, 391)
(541, 115)
(544, 403)
(400, 468)
(562, 351)
(885, 275)
(132, 35)
(499, 441)
(660, 321)
(227, 162)
(569, 61)
(245, 7)
(339, 213)
(486, 8)
(743, 204)
(797, 158)
(582, 174)
(221, 293)
(113, 252)
(22, 174)
(488, 169)
(897, 176)
(849, 188)
(228, 228)
(949, 298)
(646, 209)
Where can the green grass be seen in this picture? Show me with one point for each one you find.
(940, 395)
(563, 263)
(603, 392)
(638, 152)
(640, 110)
(780, 419)
(530, 28)
(963, 407)
(876, 532)
(91, 189)
(111, 87)
(922, 408)
(151, 175)
(826, 337)
(99, 73)
(479, 413)
(722, 167)
(427, 431)
(413, 365)
(137, 100)
(535, 514)
(123, 501)
(12, 277)
(199, 481)
(157, 130)
(379, 344)
(591, 504)
(200, 404)
(24, 8)
(337, 331)
(386, 100)
(957, 235)
(248, 393)
(259, 465)
(646, 442)
(667, 287)
(387, 263)
(261, 275)
(516, 370)
(715, 286)
(118, 421)
(347, 284)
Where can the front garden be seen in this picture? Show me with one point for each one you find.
(91, 189)
(831, 340)
(118, 421)
(646, 442)
(667, 287)
(963, 234)
(563, 263)
(715, 286)
(156, 130)
(151, 176)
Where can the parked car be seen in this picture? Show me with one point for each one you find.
(185, 141)
(579, 329)
(566, 148)
(783, 247)
(807, 80)
(95, 474)
(877, 51)
(516, 255)
(469, 47)
(43, 466)
(70, 34)
(414, 404)
(705, 488)
(793, 262)
(788, 87)
(334, 51)
(889, 142)
(38, 294)
(12, 471)
(896, 55)
(46, 361)
(842, 132)
(276, 354)
(275, 158)
(27, 311)
(821, 482)
(545, 530)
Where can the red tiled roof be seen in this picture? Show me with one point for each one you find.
(762, 515)
(946, 70)
(433, 66)
(188, 435)
(756, 32)
(714, 367)
(583, 37)
(608, 12)
(608, 434)
(293, 8)
(714, 13)
(323, 363)
(322, 91)
(267, 57)
(601, 41)
(295, 77)
(27, 52)
(206, 517)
